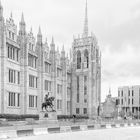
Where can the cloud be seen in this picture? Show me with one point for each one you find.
(115, 23)
(120, 68)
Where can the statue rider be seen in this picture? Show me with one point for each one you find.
(46, 97)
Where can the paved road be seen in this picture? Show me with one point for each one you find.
(130, 133)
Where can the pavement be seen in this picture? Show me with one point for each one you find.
(19, 129)
(125, 133)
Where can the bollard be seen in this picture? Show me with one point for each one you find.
(83, 127)
(40, 131)
(108, 126)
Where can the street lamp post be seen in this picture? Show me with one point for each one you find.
(138, 103)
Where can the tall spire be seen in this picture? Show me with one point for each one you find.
(85, 33)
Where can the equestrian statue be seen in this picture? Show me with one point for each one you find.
(48, 102)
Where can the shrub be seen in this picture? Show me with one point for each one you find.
(59, 117)
(15, 117)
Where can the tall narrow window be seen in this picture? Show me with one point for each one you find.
(36, 101)
(59, 104)
(77, 110)
(13, 36)
(12, 76)
(18, 77)
(86, 59)
(122, 93)
(122, 101)
(8, 51)
(77, 89)
(118, 93)
(85, 90)
(132, 92)
(47, 67)
(77, 84)
(12, 99)
(77, 98)
(18, 99)
(78, 60)
(85, 110)
(17, 55)
(68, 106)
(36, 82)
(128, 92)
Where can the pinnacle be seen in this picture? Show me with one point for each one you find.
(52, 40)
(39, 31)
(63, 48)
(11, 16)
(22, 18)
(31, 30)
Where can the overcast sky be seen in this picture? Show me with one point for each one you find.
(116, 24)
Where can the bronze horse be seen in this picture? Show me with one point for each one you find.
(48, 103)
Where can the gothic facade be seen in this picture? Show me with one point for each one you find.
(30, 69)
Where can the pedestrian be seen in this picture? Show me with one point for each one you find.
(74, 117)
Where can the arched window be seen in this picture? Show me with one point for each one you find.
(86, 59)
(78, 60)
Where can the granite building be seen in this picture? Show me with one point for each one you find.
(30, 69)
(129, 100)
(86, 73)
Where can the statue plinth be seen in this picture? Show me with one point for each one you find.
(47, 117)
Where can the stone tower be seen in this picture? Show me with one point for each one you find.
(86, 73)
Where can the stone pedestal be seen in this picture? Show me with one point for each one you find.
(47, 117)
